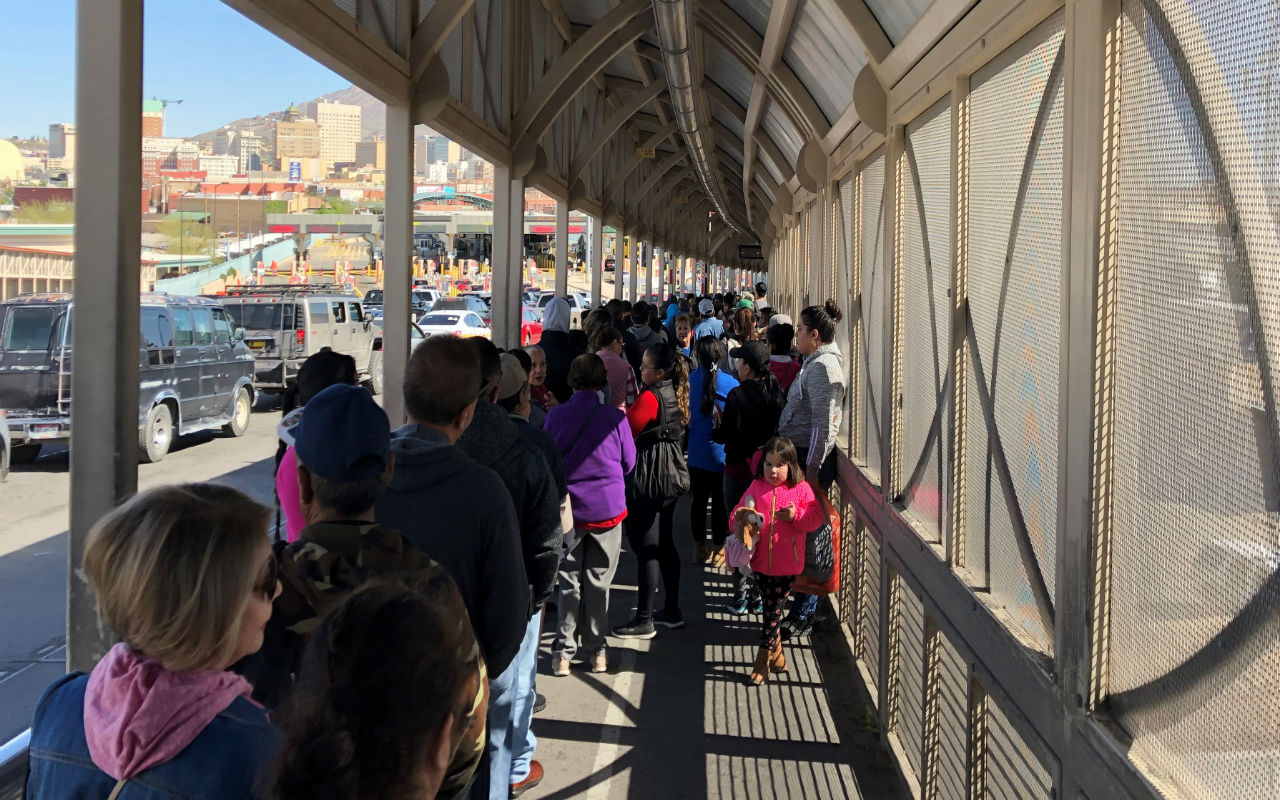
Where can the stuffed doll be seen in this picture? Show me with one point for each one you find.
(745, 526)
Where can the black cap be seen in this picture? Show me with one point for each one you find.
(754, 354)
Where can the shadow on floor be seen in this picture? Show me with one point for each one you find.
(675, 717)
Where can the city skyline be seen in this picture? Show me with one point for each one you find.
(173, 67)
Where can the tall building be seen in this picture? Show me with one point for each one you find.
(339, 130)
(168, 154)
(248, 150)
(152, 119)
(441, 149)
(62, 143)
(218, 168)
(372, 154)
(224, 143)
(297, 137)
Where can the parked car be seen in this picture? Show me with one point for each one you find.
(530, 325)
(530, 298)
(464, 302)
(284, 325)
(459, 323)
(196, 373)
(463, 285)
(608, 265)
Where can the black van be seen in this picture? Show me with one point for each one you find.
(195, 372)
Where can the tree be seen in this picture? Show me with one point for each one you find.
(335, 206)
(54, 212)
(277, 207)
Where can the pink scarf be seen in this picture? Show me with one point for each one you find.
(137, 714)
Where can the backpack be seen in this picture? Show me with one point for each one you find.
(661, 472)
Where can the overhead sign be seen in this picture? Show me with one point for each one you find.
(646, 152)
(750, 251)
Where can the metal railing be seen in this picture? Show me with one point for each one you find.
(13, 766)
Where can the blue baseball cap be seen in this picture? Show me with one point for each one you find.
(343, 436)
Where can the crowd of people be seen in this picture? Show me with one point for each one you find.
(376, 635)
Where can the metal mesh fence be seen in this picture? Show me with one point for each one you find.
(844, 265)
(926, 348)
(1015, 273)
(1011, 770)
(873, 296)
(947, 771)
(1194, 673)
(907, 714)
(869, 628)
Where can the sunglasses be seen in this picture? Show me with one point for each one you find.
(270, 576)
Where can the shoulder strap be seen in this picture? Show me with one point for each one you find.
(117, 790)
(574, 443)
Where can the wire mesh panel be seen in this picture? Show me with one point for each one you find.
(1194, 672)
(871, 206)
(844, 265)
(1011, 770)
(1014, 274)
(907, 715)
(926, 324)
(946, 721)
(869, 627)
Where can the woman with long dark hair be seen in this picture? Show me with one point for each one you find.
(750, 419)
(658, 419)
(709, 387)
(811, 419)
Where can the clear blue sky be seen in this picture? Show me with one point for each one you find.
(220, 64)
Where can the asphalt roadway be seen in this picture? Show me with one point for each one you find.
(33, 548)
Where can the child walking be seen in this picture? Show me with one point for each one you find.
(789, 508)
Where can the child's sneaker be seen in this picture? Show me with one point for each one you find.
(737, 607)
(756, 604)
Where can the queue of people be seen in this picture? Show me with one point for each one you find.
(384, 641)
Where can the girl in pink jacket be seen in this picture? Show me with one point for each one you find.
(787, 503)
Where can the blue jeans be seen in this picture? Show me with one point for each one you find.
(510, 710)
(522, 738)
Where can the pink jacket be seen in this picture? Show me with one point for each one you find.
(781, 547)
(622, 380)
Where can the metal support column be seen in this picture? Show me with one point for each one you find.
(596, 262)
(398, 241)
(104, 428)
(684, 274)
(508, 256)
(620, 262)
(562, 248)
(652, 282)
(637, 259)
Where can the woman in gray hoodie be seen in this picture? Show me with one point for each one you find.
(811, 419)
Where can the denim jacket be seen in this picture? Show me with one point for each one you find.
(228, 760)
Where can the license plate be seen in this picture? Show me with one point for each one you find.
(45, 431)
(257, 345)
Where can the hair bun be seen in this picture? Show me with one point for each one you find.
(832, 310)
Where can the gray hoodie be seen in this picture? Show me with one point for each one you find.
(460, 514)
(811, 418)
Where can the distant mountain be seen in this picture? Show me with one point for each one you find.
(373, 116)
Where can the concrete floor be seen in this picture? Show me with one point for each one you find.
(675, 718)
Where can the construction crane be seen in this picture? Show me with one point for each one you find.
(167, 103)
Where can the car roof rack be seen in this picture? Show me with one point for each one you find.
(283, 291)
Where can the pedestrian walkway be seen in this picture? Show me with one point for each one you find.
(675, 718)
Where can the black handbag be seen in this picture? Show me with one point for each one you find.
(661, 473)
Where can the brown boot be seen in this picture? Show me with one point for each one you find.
(777, 661)
(760, 672)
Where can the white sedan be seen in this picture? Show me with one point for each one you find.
(458, 323)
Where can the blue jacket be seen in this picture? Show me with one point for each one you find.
(230, 759)
(712, 326)
(704, 453)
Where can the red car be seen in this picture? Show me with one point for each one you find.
(463, 285)
(530, 326)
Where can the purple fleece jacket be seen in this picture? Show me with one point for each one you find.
(596, 467)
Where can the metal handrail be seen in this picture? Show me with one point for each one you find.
(13, 766)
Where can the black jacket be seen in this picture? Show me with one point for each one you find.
(460, 514)
(750, 419)
(631, 347)
(547, 445)
(494, 441)
(560, 351)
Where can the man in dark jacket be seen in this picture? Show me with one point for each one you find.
(618, 312)
(455, 510)
(558, 347)
(494, 441)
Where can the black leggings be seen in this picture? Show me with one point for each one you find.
(773, 592)
(707, 485)
(655, 549)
